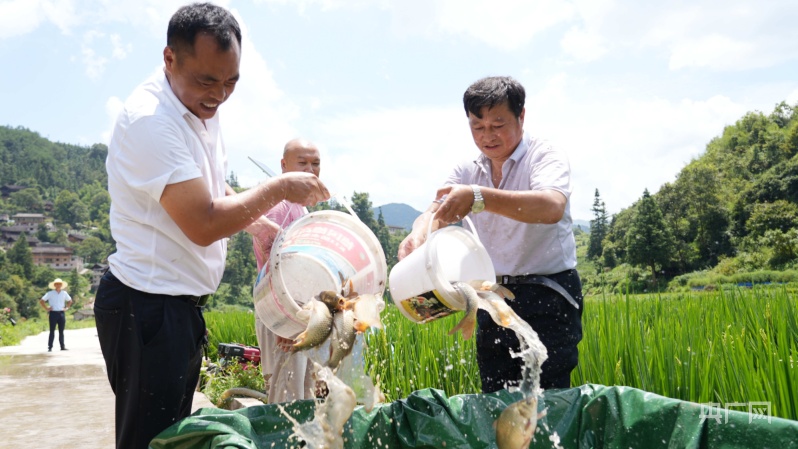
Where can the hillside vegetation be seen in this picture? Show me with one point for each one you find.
(730, 215)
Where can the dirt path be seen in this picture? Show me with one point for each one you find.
(58, 399)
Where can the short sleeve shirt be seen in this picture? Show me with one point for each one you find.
(57, 300)
(518, 248)
(157, 141)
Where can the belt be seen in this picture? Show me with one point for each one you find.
(196, 301)
(538, 280)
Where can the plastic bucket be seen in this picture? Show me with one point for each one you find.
(313, 254)
(421, 283)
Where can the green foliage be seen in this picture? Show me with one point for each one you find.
(598, 228)
(21, 258)
(649, 242)
(94, 250)
(70, 209)
(28, 200)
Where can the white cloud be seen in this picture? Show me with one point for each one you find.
(396, 155)
(584, 46)
(258, 119)
(505, 24)
(19, 17)
(120, 50)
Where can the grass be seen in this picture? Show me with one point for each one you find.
(11, 335)
(730, 345)
(722, 347)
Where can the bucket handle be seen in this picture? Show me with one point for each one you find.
(441, 284)
(465, 219)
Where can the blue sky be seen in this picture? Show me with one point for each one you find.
(631, 90)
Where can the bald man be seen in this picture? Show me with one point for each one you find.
(289, 377)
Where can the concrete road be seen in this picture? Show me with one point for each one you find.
(58, 399)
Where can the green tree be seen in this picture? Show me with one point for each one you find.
(21, 256)
(93, 250)
(42, 233)
(28, 200)
(361, 204)
(70, 209)
(649, 242)
(598, 228)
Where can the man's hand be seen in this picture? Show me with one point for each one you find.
(456, 203)
(303, 188)
(263, 232)
(411, 243)
(284, 344)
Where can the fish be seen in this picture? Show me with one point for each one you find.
(501, 313)
(469, 321)
(517, 423)
(499, 289)
(343, 336)
(367, 309)
(319, 327)
(332, 300)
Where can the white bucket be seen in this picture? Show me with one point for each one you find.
(311, 255)
(421, 283)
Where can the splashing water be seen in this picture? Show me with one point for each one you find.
(325, 430)
(516, 425)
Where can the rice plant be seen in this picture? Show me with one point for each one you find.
(723, 347)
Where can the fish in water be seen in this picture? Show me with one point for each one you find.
(319, 319)
(469, 321)
(499, 289)
(325, 430)
(343, 336)
(517, 423)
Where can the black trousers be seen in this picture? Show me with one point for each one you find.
(56, 319)
(152, 346)
(557, 323)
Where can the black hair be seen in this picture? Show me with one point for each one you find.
(492, 91)
(195, 18)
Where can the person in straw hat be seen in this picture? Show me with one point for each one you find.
(56, 302)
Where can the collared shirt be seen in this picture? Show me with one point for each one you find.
(57, 300)
(518, 248)
(157, 141)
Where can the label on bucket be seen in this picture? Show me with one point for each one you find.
(427, 307)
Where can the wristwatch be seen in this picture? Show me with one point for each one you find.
(479, 202)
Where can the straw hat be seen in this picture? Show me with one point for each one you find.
(58, 281)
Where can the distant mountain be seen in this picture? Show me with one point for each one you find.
(400, 214)
(397, 214)
(584, 224)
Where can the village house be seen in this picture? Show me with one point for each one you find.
(57, 257)
(10, 234)
(97, 272)
(31, 222)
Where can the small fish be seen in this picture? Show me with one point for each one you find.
(469, 321)
(343, 336)
(367, 310)
(517, 423)
(319, 327)
(332, 300)
(502, 314)
(499, 289)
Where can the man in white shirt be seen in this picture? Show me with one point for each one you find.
(56, 302)
(523, 187)
(171, 214)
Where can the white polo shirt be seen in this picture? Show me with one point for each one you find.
(57, 300)
(157, 141)
(518, 248)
